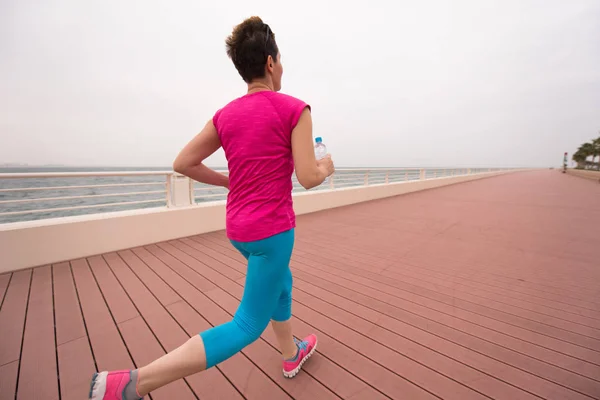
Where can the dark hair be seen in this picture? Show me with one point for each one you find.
(249, 46)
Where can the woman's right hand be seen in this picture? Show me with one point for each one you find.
(326, 166)
(309, 171)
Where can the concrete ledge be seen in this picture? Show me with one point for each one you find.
(34, 243)
(309, 202)
(592, 175)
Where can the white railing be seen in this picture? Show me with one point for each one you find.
(27, 196)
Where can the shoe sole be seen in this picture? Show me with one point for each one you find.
(295, 371)
(101, 390)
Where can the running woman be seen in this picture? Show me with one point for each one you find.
(266, 135)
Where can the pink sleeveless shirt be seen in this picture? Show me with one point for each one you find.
(256, 134)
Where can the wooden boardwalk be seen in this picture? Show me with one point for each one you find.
(488, 289)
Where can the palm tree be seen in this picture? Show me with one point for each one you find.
(595, 149)
(586, 149)
(579, 157)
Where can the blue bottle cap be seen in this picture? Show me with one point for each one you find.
(318, 140)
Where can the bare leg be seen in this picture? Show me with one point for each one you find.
(185, 360)
(283, 331)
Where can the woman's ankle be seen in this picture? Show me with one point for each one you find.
(131, 391)
(291, 354)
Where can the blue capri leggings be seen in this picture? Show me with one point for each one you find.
(267, 296)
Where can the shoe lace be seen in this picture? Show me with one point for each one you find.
(302, 345)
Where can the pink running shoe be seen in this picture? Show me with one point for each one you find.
(109, 385)
(306, 348)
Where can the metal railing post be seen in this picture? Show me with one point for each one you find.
(387, 177)
(422, 174)
(367, 178)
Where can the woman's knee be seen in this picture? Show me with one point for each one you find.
(283, 312)
(251, 326)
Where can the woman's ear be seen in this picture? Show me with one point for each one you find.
(270, 63)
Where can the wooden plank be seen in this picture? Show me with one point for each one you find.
(200, 244)
(69, 323)
(209, 256)
(152, 281)
(38, 377)
(577, 334)
(529, 286)
(12, 317)
(403, 300)
(541, 369)
(4, 280)
(400, 276)
(166, 330)
(458, 281)
(430, 349)
(483, 340)
(503, 293)
(108, 346)
(145, 348)
(121, 307)
(444, 257)
(141, 343)
(397, 385)
(202, 269)
(504, 265)
(75, 360)
(461, 197)
(218, 240)
(76, 367)
(164, 326)
(8, 380)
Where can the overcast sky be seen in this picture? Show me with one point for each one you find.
(391, 83)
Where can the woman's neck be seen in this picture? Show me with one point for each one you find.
(259, 87)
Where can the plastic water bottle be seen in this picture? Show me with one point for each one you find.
(320, 148)
(320, 151)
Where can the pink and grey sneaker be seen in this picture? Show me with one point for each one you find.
(306, 348)
(112, 385)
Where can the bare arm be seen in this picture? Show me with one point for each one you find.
(190, 160)
(309, 172)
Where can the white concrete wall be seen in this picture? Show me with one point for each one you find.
(35, 243)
